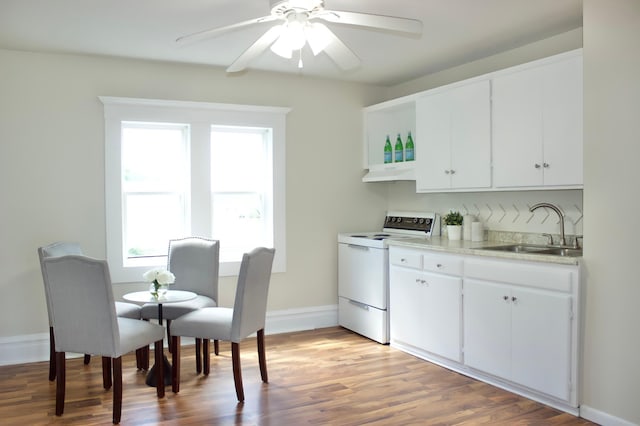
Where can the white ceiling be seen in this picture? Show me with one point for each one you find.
(455, 32)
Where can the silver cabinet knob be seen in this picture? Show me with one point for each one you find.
(545, 165)
(536, 165)
(453, 172)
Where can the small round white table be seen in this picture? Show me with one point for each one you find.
(171, 296)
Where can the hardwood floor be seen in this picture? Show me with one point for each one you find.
(322, 377)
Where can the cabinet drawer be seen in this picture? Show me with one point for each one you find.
(443, 264)
(406, 258)
(550, 277)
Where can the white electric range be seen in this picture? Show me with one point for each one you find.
(363, 271)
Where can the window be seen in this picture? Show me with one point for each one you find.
(174, 169)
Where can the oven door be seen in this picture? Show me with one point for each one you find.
(363, 274)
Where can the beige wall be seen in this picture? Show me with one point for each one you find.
(52, 167)
(612, 149)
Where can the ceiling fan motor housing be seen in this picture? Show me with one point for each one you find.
(284, 7)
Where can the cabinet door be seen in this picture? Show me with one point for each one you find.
(433, 131)
(407, 313)
(487, 327)
(541, 341)
(562, 118)
(454, 128)
(471, 136)
(442, 332)
(517, 131)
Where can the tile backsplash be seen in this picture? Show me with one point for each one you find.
(506, 211)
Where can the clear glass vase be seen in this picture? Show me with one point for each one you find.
(158, 291)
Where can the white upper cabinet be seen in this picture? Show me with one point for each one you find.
(537, 124)
(388, 119)
(453, 126)
(517, 128)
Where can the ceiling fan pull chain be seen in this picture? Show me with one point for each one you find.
(300, 60)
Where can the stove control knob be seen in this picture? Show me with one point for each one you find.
(421, 221)
(415, 220)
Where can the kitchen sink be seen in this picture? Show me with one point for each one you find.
(536, 249)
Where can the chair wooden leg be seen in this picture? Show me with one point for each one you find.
(261, 356)
(159, 361)
(87, 359)
(198, 356)
(141, 353)
(206, 355)
(237, 373)
(106, 372)
(216, 347)
(52, 355)
(60, 383)
(145, 358)
(175, 360)
(117, 388)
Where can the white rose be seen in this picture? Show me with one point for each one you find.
(161, 275)
(165, 277)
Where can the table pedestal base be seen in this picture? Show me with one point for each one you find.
(151, 376)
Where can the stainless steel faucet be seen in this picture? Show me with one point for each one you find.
(563, 241)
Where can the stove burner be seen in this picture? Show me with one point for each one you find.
(381, 235)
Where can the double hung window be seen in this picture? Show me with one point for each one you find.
(175, 169)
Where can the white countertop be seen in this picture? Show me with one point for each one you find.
(473, 248)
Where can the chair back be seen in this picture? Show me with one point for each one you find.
(54, 250)
(250, 306)
(195, 263)
(82, 305)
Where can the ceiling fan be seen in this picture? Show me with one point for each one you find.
(299, 25)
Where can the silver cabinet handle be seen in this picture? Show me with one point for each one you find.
(359, 305)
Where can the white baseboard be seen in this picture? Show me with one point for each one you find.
(35, 347)
(602, 418)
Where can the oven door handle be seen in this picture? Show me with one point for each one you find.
(359, 305)
(356, 246)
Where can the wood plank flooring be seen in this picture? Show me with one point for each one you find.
(323, 377)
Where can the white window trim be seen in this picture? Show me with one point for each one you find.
(117, 109)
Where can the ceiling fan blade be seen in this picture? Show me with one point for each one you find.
(214, 32)
(255, 49)
(390, 23)
(340, 53)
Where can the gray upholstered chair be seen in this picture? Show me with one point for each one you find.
(233, 325)
(195, 263)
(123, 309)
(83, 313)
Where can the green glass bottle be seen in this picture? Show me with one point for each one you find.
(388, 151)
(409, 153)
(399, 150)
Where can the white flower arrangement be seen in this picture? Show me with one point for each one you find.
(159, 278)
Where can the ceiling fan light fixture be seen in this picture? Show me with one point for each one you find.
(282, 47)
(318, 36)
(292, 37)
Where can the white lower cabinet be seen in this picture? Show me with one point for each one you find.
(519, 334)
(511, 323)
(428, 313)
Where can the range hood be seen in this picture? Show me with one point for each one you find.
(390, 172)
